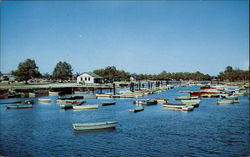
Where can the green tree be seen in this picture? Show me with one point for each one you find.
(62, 70)
(26, 70)
(111, 73)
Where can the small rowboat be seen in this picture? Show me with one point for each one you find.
(108, 103)
(195, 101)
(13, 102)
(93, 126)
(145, 102)
(138, 109)
(85, 107)
(53, 93)
(70, 101)
(225, 101)
(19, 106)
(181, 107)
(186, 97)
(71, 98)
(44, 100)
(106, 95)
(29, 101)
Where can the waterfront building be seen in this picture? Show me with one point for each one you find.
(89, 77)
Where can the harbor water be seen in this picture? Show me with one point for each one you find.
(46, 130)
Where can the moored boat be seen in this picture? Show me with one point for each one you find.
(137, 109)
(29, 102)
(66, 106)
(13, 102)
(145, 102)
(206, 93)
(187, 108)
(51, 93)
(93, 126)
(71, 98)
(180, 107)
(85, 107)
(225, 101)
(19, 106)
(106, 95)
(108, 103)
(45, 100)
(33, 94)
(161, 100)
(186, 97)
(194, 101)
(79, 102)
(227, 96)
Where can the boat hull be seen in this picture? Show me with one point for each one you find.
(85, 107)
(93, 126)
(19, 106)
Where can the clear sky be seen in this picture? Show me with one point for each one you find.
(141, 37)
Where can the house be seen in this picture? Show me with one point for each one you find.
(89, 77)
(132, 78)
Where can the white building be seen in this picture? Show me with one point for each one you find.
(89, 77)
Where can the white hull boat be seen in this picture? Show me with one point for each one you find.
(85, 107)
(93, 126)
(225, 101)
(44, 100)
(186, 97)
(195, 101)
(180, 107)
(53, 93)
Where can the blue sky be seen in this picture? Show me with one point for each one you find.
(141, 37)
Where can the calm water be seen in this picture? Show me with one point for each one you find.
(46, 130)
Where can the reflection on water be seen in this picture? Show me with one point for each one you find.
(46, 130)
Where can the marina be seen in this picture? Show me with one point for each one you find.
(124, 79)
(155, 120)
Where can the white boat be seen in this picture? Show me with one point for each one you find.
(33, 94)
(85, 107)
(44, 100)
(186, 97)
(107, 95)
(173, 106)
(225, 101)
(192, 104)
(79, 102)
(194, 101)
(232, 97)
(145, 102)
(187, 108)
(93, 126)
(53, 93)
(236, 101)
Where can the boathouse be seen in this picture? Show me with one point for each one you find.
(89, 77)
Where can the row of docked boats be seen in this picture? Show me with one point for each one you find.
(137, 93)
(218, 91)
(80, 104)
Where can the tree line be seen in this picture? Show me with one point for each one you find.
(29, 70)
(231, 74)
